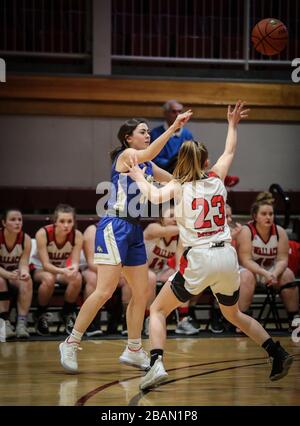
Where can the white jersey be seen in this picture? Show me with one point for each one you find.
(58, 253)
(10, 257)
(159, 251)
(264, 252)
(200, 214)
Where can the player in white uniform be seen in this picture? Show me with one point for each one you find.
(209, 259)
(15, 248)
(57, 260)
(263, 252)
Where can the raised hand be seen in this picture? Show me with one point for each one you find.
(135, 172)
(182, 119)
(237, 113)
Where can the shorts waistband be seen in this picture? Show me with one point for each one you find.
(122, 215)
(213, 244)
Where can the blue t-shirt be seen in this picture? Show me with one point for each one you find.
(171, 149)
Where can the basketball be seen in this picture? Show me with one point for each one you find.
(269, 36)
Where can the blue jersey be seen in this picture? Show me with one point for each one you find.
(126, 199)
(172, 147)
(119, 236)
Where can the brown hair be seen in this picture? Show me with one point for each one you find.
(64, 208)
(7, 211)
(126, 130)
(191, 161)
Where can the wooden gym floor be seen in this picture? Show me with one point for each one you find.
(229, 371)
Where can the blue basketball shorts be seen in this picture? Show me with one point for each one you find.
(119, 241)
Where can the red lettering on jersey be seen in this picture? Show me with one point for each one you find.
(162, 252)
(265, 251)
(58, 256)
(157, 263)
(216, 201)
(7, 259)
(208, 233)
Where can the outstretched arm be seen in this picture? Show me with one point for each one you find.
(156, 230)
(140, 156)
(233, 116)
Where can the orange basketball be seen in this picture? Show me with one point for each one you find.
(269, 36)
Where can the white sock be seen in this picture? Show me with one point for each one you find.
(134, 344)
(75, 337)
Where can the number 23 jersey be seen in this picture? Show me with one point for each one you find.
(200, 213)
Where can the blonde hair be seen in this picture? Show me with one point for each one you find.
(191, 162)
(265, 196)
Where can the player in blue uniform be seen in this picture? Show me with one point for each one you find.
(119, 244)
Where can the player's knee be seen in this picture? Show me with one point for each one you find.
(3, 284)
(27, 285)
(78, 280)
(247, 280)
(156, 309)
(287, 277)
(104, 295)
(48, 280)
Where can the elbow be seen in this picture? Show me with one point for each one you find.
(92, 266)
(285, 263)
(154, 195)
(155, 200)
(244, 262)
(46, 266)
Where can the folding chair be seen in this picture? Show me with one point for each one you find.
(270, 306)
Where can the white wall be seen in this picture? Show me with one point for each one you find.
(74, 152)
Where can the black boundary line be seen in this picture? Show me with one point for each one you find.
(134, 401)
(82, 400)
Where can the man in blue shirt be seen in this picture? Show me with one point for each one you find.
(167, 158)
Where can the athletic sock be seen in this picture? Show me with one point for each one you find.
(75, 337)
(134, 345)
(270, 346)
(155, 353)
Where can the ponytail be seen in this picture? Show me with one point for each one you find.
(115, 152)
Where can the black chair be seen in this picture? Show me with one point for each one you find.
(269, 310)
